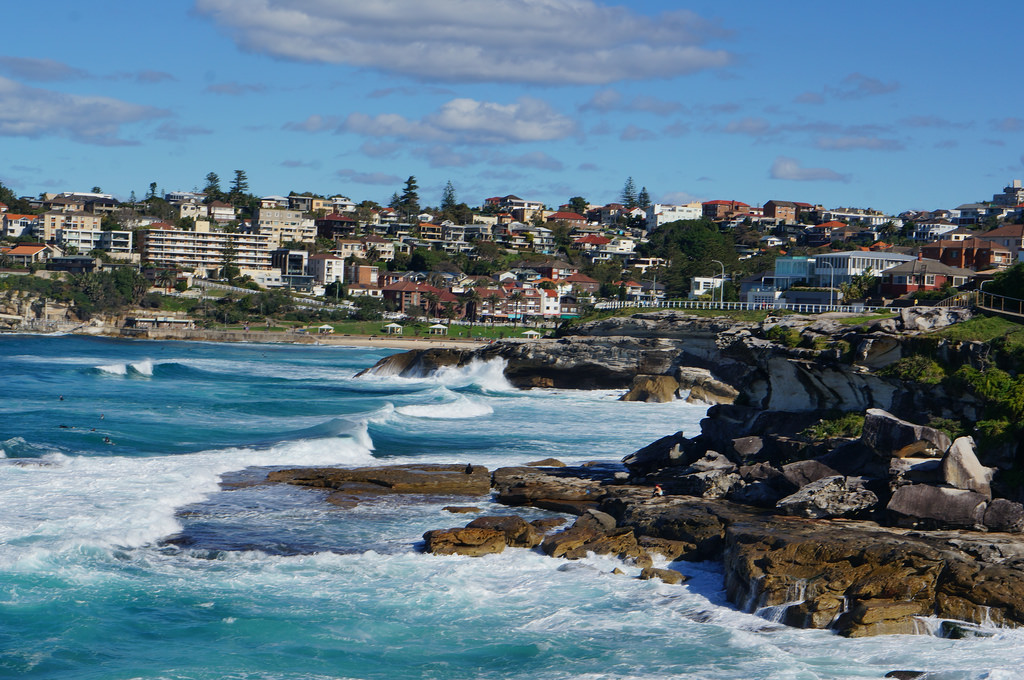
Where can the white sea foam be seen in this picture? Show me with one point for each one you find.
(456, 408)
(107, 502)
(114, 369)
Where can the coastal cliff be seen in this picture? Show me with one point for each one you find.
(863, 530)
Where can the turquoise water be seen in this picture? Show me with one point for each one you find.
(110, 448)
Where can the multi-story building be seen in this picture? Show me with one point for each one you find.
(1012, 196)
(326, 269)
(661, 213)
(1009, 236)
(283, 226)
(117, 243)
(972, 253)
(55, 220)
(784, 211)
(203, 251)
(15, 225)
(716, 210)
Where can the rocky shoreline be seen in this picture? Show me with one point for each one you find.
(862, 534)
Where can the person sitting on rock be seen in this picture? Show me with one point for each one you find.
(658, 491)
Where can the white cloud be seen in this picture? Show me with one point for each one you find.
(859, 143)
(33, 112)
(234, 89)
(460, 121)
(369, 177)
(678, 198)
(608, 99)
(177, 133)
(632, 133)
(525, 41)
(790, 169)
(40, 69)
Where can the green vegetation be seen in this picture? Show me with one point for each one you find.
(916, 368)
(864, 319)
(784, 335)
(846, 425)
(1009, 282)
(87, 294)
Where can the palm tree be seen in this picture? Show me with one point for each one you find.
(167, 278)
(516, 298)
(494, 299)
(451, 309)
(431, 299)
(473, 299)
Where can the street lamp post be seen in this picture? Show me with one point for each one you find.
(721, 295)
(831, 283)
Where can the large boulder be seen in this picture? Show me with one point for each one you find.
(472, 542)
(891, 436)
(668, 451)
(652, 388)
(938, 507)
(828, 497)
(962, 470)
(704, 387)
(517, 531)
(1004, 515)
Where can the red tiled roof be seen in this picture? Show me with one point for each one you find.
(725, 203)
(566, 215)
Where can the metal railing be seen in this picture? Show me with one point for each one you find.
(801, 308)
(1002, 304)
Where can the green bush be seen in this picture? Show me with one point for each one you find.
(915, 368)
(784, 335)
(847, 425)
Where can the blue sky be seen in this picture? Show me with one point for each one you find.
(890, 105)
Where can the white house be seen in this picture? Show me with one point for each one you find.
(704, 285)
(659, 214)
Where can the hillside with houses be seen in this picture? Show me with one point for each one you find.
(513, 259)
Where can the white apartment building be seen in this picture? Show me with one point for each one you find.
(326, 269)
(117, 243)
(204, 251)
(659, 213)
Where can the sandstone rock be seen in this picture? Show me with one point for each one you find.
(747, 447)
(665, 452)
(803, 472)
(962, 470)
(704, 387)
(712, 460)
(916, 471)
(546, 524)
(652, 388)
(761, 494)
(441, 480)
(461, 509)
(670, 550)
(567, 489)
(1004, 515)
(547, 462)
(931, 318)
(669, 576)
(889, 435)
(828, 497)
(938, 506)
(709, 484)
(878, 350)
(470, 542)
(517, 531)
(577, 541)
(596, 520)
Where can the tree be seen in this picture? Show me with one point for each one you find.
(431, 299)
(493, 299)
(473, 299)
(448, 201)
(578, 205)
(152, 190)
(239, 187)
(409, 201)
(643, 200)
(97, 190)
(516, 297)
(212, 188)
(629, 197)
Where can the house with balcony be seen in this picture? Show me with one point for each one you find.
(15, 225)
(662, 213)
(283, 226)
(326, 268)
(718, 210)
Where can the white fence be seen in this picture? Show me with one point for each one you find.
(742, 306)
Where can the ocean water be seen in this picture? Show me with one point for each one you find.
(122, 556)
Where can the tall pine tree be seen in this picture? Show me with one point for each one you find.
(629, 197)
